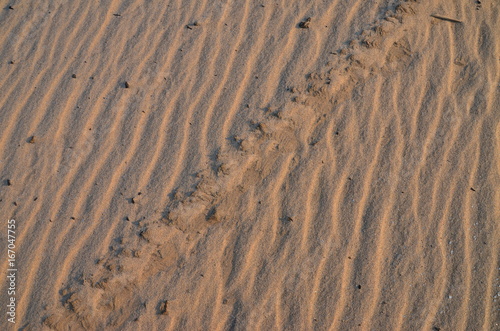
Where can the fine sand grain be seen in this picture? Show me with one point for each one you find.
(243, 165)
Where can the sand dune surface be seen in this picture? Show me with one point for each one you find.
(243, 165)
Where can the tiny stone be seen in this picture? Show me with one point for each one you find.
(73, 76)
(127, 85)
(163, 308)
(305, 24)
(32, 140)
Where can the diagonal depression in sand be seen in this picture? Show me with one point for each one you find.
(252, 174)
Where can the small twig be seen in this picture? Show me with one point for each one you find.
(446, 19)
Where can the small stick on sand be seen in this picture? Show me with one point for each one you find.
(446, 18)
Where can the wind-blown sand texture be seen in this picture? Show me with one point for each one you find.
(217, 165)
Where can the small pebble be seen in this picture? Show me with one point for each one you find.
(305, 24)
(163, 308)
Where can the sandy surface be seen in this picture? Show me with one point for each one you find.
(217, 165)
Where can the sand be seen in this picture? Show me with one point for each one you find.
(251, 165)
